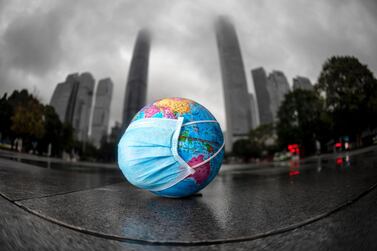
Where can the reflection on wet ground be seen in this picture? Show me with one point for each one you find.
(51, 165)
(246, 200)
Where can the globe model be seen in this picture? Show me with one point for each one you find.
(197, 142)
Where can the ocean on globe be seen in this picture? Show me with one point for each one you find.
(200, 144)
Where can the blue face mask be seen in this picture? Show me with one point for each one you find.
(148, 154)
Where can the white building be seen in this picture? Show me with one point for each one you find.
(277, 86)
(72, 101)
(101, 113)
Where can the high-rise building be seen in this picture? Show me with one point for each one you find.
(302, 83)
(72, 101)
(74, 82)
(136, 89)
(62, 95)
(277, 86)
(59, 99)
(262, 95)
(83, 106)
(253, 110)
(237, 102)
(101, 113)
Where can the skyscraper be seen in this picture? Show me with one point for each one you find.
(83, 106)
(74, 82)
(237, 102)
(277, 86)
(263, 97)
(101, 113)
(59, 99)
(72, 101)
(136, 89)
(302, 83)
(62, 95)
(254, 113)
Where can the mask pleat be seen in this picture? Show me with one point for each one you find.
(148, 137)
(146, 157)
(132, 153)
(151, 179)
(152, 163)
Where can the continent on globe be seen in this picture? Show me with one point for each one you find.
(201, 172)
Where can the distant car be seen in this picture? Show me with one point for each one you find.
(282, 156)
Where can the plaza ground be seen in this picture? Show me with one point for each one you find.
(323, 202)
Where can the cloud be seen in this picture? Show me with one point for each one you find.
(43, 41)
(32, 43)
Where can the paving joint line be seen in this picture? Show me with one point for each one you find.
(194, 243)
(64, 193)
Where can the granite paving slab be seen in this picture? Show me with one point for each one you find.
(22, 181)
(240, 203)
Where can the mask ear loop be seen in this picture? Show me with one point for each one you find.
(216, 153)
(174, 147)
(209, 159)
(199, 121)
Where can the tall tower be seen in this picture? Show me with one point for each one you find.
(101, 113)
(72, 100)
(63, 96)
(83, 106)
(237, 101)
(263, 97)
(253, 111)
(74, 83)
(136, 89)
(277, 85)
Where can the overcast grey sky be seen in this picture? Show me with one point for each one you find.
(42, 41)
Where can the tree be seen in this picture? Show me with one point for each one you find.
(108, 149)
(302, 120)
(263, 140)
(27, 120)
(87, 151)
(68, 139)
(5, 115)
(242, 148)
(262, 134)
(23, 116)
(53, 132)
(351, 95)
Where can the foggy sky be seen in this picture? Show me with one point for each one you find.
(41, 42)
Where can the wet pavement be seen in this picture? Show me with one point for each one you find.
(320, 203)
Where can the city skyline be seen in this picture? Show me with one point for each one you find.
(184, 60)
(85, 105)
